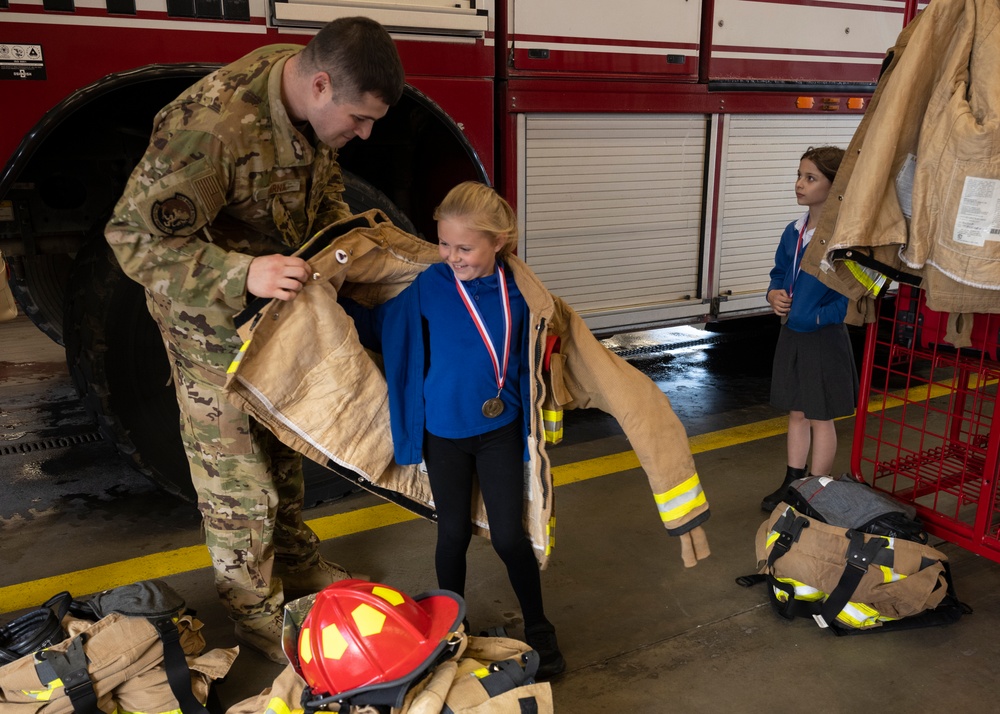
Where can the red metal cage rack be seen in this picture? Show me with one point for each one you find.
(923, 432)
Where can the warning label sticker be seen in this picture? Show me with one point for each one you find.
(978, 217)
(19, 61)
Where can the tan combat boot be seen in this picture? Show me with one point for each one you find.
(306, 581)
(263, 634)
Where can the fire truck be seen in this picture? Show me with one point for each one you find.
(649, 148)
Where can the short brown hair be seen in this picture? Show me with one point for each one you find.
(360, 57)
(482, 209)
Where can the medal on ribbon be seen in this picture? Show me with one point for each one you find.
(492, 407)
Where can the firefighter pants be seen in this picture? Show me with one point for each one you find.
(250, 489)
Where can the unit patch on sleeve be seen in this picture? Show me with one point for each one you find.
(173, 215)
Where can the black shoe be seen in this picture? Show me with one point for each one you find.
(541, 637)
(771, 500)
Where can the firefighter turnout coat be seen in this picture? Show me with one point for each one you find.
(303, 372)
(912, 189)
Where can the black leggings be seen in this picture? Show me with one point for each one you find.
(497, 458)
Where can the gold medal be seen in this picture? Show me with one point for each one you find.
(493, 407)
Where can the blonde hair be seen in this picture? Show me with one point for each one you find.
(481, 209)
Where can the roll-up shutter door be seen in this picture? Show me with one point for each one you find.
(757, 197)
(611, 207)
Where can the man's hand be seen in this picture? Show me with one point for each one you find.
(779, 301)
(277, 276)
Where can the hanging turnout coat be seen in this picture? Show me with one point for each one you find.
(303, 373)
(914, 187)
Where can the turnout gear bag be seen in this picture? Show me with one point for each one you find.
(142, 654)
(876, 574)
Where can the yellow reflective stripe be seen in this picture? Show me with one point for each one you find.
(771, 537)
(129, 711)
(43, 695)
(277, 705)
(235, 364)
(802, 591)
(481, 672)
(889, 575)
(872, 280)
(857, 614)
(550, 535)
(552, 425)
(680, 500)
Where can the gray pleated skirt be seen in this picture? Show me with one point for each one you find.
(814, 373)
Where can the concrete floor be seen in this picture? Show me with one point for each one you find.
(640, 632)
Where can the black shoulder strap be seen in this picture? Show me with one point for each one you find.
(789, 527)
(859, 556)
(865, 259)
(178, 674)
(71, 668)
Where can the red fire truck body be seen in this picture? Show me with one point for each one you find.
(649, 147)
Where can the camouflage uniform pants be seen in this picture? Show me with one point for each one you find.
(250, 489)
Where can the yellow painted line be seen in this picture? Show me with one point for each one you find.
(182, 560)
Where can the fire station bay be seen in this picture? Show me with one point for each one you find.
(499, 356)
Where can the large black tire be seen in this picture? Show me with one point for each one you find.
(118, 363)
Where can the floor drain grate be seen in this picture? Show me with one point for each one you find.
(55, 442)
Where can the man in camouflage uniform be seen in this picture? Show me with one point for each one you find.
(241, 169)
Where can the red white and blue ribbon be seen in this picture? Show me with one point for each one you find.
(484, 333)
(797, 258)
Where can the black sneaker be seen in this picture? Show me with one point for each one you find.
(542, 638)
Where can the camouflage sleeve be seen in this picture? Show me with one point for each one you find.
(159, 231)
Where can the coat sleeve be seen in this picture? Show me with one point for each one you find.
(401, 328)
(782, 261)
(177, 189)
(596, 377)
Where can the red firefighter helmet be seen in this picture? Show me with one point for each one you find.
(361, 635)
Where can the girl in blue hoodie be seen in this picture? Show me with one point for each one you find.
(814, 377)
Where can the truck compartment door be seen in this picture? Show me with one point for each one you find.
(439, 17)
(611, 213)
(757, 195)
(658, 37)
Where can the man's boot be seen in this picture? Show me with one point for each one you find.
(772, 499)
(306, 581)
(263, 634)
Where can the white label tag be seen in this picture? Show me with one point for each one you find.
(978, 218)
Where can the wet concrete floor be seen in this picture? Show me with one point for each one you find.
(640, 632)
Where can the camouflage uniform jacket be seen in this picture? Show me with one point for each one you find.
(226, 177)
(303, 362)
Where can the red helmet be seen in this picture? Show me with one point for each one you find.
(360, 635)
